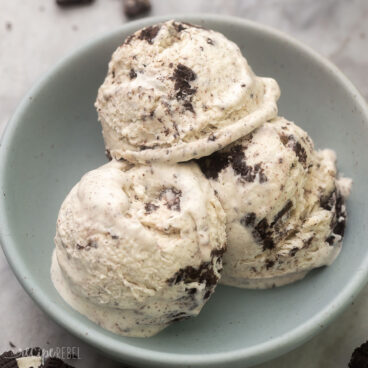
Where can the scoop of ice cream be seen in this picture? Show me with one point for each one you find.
(285, 208)
(138, 247)
(176, 91)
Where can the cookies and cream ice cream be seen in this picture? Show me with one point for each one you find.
(176, 91)
(140, 241)
(284, 205)
(138, 247)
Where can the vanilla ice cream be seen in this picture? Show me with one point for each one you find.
(284, 205)
(138, 247)
(175, 91)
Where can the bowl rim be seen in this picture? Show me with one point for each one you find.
(121, 350)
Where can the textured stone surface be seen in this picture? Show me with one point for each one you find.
(335, 28)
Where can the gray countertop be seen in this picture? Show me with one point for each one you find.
(35, 34)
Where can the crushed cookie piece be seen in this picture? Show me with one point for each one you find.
(282, 212)
(135, 8)
(249, 219)
(132, 74)
(149, 33)
(179, 26)
(293, 251)
(291, 142)
(150, 207)
(182, 77)
(263, 234)
(359, 358)
(212, 137)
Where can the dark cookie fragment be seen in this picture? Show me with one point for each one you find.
(284, 139)
(135, 8)
(260, 171)
(171, 197)
(330, 240)
(282, 212)
(212, 137)
(8, 360)
(143, 148)
(248, 219)
(210, 41)
(128, 39)
(179, 26)
(328, 202)
(207, 294)
(88, 246)
(263, 234)
(238, 163)
(359, 358)
(204, 274)
(218, 253)
(339, 227)
(73, 2)
(150, 207)
(182, 77)
(291, 142)
(293, 251)
(192, 291)
(179, 316)
(213, 164)
(11, 363)
(132, 74)
(269, 264)
(300, 152)
(335, 203)
(148, 34)
(188, 106)
(308, 242)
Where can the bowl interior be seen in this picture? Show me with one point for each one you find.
(54, 138)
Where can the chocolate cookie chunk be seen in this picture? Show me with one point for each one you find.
(135, 8)
(182, 77)
(359, 358)
(148, 34)
(212, 165)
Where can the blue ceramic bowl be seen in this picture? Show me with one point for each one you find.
(54, 138)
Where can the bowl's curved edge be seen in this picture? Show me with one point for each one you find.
(253, 355)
